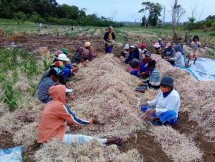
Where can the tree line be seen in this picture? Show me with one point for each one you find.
(49, 11)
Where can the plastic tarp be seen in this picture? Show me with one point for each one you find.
(203, 70)
(13, 154)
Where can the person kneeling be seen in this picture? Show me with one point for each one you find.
(163, 110)
(154, 78)
(57, 116)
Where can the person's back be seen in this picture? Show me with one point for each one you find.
(154, 78)
(168, 52)
(43, 88)
(179, 61)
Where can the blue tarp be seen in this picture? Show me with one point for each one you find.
(203, 70)
(13, 154)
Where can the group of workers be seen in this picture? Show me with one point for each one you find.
(55, 92)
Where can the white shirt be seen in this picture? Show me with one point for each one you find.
(163, 104)
(179, 59)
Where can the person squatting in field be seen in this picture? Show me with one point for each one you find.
(110, 39)
(57, 116)
(163, 110)
(68, 69)
(52, 78)
(153, 81)
(83, 54)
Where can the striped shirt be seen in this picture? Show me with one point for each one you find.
(43, 88)
(154, 77)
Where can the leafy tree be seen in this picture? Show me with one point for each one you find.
(154, 11)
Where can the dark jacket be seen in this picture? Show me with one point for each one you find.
(106, 36)
(132, 55)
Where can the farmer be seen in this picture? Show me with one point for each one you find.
(63, 63)
(133, 53)
(84, 54)
(168, 53)
(110, 38)
(125, 51)
(165, 107)
(57, 116)
(160, 42)
(144, 71)
(142, 50)
(134, 67)
(53, 78)
(178, 58)
(154, 78)
(195, 45)
(157, 48)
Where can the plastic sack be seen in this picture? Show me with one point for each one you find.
(13, 154)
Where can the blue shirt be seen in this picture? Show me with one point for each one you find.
(43, 89)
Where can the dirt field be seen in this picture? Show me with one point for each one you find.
(145, 143)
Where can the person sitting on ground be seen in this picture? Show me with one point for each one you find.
(160, 42)
(157, 48)
(195, 45)
(142, 50)
(110, 38)
(125, 51)
(144, 71)
(154, 78)
(179, 58)
(46, 82)
(83, 55)
(168, 53)
(57, 116)
(133, 53)
(135, 63)
(63, 63)
(163, 110)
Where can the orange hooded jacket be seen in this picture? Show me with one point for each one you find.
(56, 116)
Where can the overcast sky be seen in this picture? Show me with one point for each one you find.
(127, 10)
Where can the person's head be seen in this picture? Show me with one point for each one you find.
(135, 63)
(126, 47)
(159, 39)
(151, 65)
(157, 46)
(168, 45)
(87, 45)
(65, 51)
(110, 29)
(148, 55)
(58, 93)
(57, 53)
(166, 84)
(132, 48)
(63, 57)
(55, 74)
(196, 38)
(142, 46)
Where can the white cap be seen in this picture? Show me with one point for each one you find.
(132, 46)
(62, 57)
(126, 46)
(69, 90)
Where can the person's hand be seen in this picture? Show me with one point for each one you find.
(145, 104)
(96, 121)
(75, 69)
(149, 112)
(84, 64)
